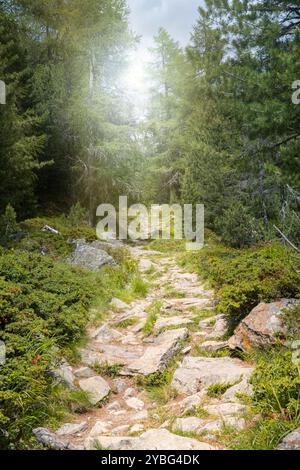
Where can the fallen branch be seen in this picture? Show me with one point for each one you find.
(286, 239)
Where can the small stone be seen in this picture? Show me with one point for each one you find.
(243, 388)
(96, 387)
(50, 439)
(135, 404)
(186, 350)
(192, 402)
(100, 427)
(114, 406)
(212, 346)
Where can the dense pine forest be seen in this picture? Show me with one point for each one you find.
(220, 128)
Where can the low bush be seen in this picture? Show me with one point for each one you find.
(243, 278)
(44, 309)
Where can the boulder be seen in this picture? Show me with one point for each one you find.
(96, 387)
(197, 373)
(157, 356)
(89, 257)
(262, 326)
(135, 404)
(63, 374)
(225, 409)
(291, 441)
(51, 440)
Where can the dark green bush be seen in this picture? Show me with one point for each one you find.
(44, 309)
(243, 278)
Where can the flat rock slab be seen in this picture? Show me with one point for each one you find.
(291, 441)
(96, 387)
(164, 322)
(197, 373)
(212, 346)
(118, 304)
(153, 439)
(186, 303)
(104, 334)
(111, 354)
(157, 356)
(225, 409)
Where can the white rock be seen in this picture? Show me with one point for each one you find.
(96, 387)
(220, 328)
(100, 427)
(225, 409)
(157, 356)
(129, 392)
(64, 374)
(190, 424)
(135, 404)
(114, 406)
(197, 373)
(164, 322)
(136, 428)
(71, 428)
(140, 416)
(244, 388)
(212, 346)
(161, 439)
(104, 334)
(118, 304)
(120, 430)
(110, 443)
(186, 350)
(84, 373)
(191, 402)
(120, 385)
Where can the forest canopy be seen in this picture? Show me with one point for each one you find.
(220, 128)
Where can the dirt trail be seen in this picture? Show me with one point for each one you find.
(152, 363)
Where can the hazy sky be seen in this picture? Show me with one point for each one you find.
(146, 17)
(177, 16)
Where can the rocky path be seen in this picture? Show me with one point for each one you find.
(157, 373)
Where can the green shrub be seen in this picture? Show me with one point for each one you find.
(237, 227)
(44, 309)
(243, 278)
